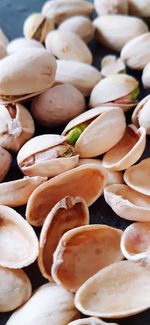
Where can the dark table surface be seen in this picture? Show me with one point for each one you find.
(12, 16)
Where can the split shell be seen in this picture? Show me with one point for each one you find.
(80, 25)
(90, 321)
(21, 44)
(111, 7)
(146, 76)
(18, 241)
(37, 26)
(139, 8)
(111, 65)
(82, 252)
(86, 181)
(141, 116)
(108, 293)
(69, 213)
(127, 151)
(5, 162)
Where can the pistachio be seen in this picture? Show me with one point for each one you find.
(140, 116)
(3, 39)
(5, 162)
(146, 76)
(139, 8)
(111, 7)
(90, 321)
(37, 26)
(21, 44)
(80, 25)
(111, 65)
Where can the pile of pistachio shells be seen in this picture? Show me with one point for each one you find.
(93, 269)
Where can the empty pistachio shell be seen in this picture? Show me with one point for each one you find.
(127, 151)
(37, 26)
(82, 131)
(111, 7)
(86, 181)
(108, 293)
(112, 37)
(146, 76)
(111, 64)
(90, 321)
(18, 241)
(80, 75)
(5, 162)
(127, 203)
(3, 38)
(67, 214)
(82, 252)
(15, 289)
(139, 8)
(56, 306)
(80, 25)
(141, 116)
(21, 44)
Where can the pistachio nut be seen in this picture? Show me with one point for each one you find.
(115, 38)
(21, 44)
(3, 39)
(37, 26)
(86, 181)
(90, 321)
(83, 130)
(25, 74)
(16, 127)
(111, 64)
(66, 45)
(15, 289)
(139, 8)
(80, 25)
(123, 92)
(140, 116)
(146, 76)
(60, 10)
(57, 105)
(5, 162)
(80, 75)
(47, 155)
(18, 241)
(56, 306)
(111, 7)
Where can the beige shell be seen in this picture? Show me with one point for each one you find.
(82, 252)
(139, 8)
(86, 181)
(111, 64)
(69, 213)
(18, 241)
(17, 192)
(16, 127)
(127, 151)
(146, 76)
(5, 162)
(101, 120)
(66, 45)
(21, 44)
(119, 290)
(57, 105)
(141, 116)
(111, 7)
(80, 75)
(80, 25)
(3, 39)
(15, 289)
(49, 305)
(109, 35)
(128, 203)
(37, 26)
(90, 321)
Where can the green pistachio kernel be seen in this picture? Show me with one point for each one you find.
(75, 133)
(135, 93)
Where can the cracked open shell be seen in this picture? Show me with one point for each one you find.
(123, 92)
(21, 44)
(127, 151)
(82, 252)
(69, 213)
(108, 293)
(25, 74)
(86, 181)
(146, 76)
(111, 64)
(47, 155)
(5, 162)
(83, 130)
(56, 306)
(90, 321)
(139, 8)
(128, 203)
(37, 26)
(15, 289)
(141, 116)
(111, 7)
(18, 241)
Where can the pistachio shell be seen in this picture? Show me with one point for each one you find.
(111, 64)
(21, 44)
(3, 52)
(5, 162)
(56, 306)
(82, 252)
(37, 26)
(80, 25)
(90, 321)
(67, 214)
(111, 7)
(112, 37)
(146, 76)
(18, 241)
(108, 293)
(139, 8)
(15, 289)
(86, 181)
(140, 116)
(3, 38)
(127, 151)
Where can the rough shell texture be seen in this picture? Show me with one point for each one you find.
(111, 64)
(80, 25)
(111, 7)
(90, 321)
(21, 44)
(141, 116)
(85, 181)
(139, 8)
(56, 306)
(67, 214)
(5, 162)
(146, 76)
(82, 252)
(37, 26)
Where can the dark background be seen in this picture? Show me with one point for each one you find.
(12, 16)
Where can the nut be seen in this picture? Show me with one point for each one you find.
(80, 25)
(111, 7)
(37, 26)
(21, 44)
(146, 76)
(139, 8)
(140, 116)
(5, 162)
(111, 65)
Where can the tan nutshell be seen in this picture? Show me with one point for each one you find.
(90, 321)
(146, 76)
(82, 252)
(5, 162)
(111, 7)
(139, 8)
(80, 25)
(15, 289)
(141, 116)
(111, 65)
(21, 44)
(37, 26)
(69, 213)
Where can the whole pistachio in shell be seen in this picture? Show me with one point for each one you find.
(111, 65)
(90, 321)
(115, 38)
(88, 131)
(5, 162)
(111, 7)
(141, 116)
(37, 26)
(56, 307)
(15, 289)
(139, 8)
(21, 44)
(47, 155)
(146, 76)
(57, 105)
(80, 25)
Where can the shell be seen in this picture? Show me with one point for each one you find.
(140, 116)
(86, 181)
(67, 214)
(56, 307)
(127, 151)
(101, 119)
(111, 7)
(108, 293)
(3, 39)
(5, 162)
(3, 51)
(21, 44)
(18, 241)
(15, 289)
(90, 321)
(37, 26)
(111, 64)
(146, 76)
(139, 8)
(109, 35)
(82, 252)
(80, 25)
